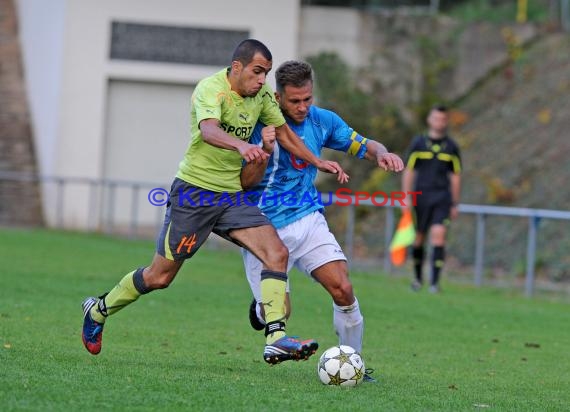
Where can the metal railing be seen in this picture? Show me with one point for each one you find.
(101, 196)
(108, 215)
(481, 212)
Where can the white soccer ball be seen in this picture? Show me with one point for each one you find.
(341, 366)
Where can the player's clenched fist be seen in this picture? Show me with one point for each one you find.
(268, 137)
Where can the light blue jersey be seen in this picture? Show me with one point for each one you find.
(287, 192)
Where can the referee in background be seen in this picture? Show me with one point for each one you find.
(433, 167)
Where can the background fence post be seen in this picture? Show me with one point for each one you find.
(531, 254)
(110, 208)
(59, 202)
(133, 229)
(479, 249)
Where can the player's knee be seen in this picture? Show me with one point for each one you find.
(282, 254)
(277, 258)
(343, 294)
(162, 282)
(158, 283)
(438, 235)
(347, 293)
(158, 279)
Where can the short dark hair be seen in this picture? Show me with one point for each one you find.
(293, 73)
(439, 108)
(245, 51)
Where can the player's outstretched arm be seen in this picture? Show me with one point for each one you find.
(377, 153)
(214, 135)
(294, 145)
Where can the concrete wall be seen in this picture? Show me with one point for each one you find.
(332, 29)
(66, 47)
(20, 202)
(41, 36)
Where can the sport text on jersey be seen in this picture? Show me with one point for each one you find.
(237, 131)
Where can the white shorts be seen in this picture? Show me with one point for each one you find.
(311, 244)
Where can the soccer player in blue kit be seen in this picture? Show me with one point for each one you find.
(284, 188)
(225, 108)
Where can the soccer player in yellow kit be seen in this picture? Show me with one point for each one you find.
(206, 197)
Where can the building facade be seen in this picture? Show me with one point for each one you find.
(109, 85)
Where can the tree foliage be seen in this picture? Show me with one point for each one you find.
(365, 110)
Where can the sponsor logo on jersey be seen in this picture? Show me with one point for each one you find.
(237, 131)
(297, 163)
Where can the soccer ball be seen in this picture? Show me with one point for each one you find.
(341, 366)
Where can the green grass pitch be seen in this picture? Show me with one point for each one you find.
(190, 347)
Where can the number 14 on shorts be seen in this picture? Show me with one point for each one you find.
(186, 242)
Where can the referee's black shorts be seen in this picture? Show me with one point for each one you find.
(432, 208)
(192, 213)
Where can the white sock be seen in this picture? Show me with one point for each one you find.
(258, 313)
(349, 325)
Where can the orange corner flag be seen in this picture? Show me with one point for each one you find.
(404, 237)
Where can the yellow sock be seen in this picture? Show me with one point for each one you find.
(123, 294)
(273, 285)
